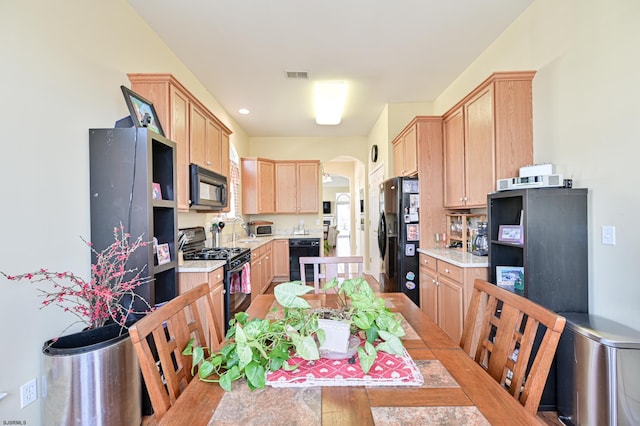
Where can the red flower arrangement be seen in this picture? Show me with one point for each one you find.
(109, 296)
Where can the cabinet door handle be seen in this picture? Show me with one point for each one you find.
(224, 291)
(446, 270)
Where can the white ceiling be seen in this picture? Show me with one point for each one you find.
(389, 51)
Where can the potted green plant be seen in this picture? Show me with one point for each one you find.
(255, 346)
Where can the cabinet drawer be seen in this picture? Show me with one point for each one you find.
(216, 277)
(452, 271)
(258, 252)
(429, 262)
(255, 253)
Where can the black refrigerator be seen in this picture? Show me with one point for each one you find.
(399, 235)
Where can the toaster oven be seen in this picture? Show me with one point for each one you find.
(261, 228)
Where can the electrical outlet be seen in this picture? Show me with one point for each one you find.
(28, 393)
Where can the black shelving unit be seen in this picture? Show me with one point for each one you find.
(124, 165)
(554, 248)
(553, 251)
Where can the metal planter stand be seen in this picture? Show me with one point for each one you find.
(91, 378)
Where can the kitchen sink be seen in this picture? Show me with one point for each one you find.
(248, 241)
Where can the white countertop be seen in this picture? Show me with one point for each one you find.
(253, 243)
(459, 258)
(201, 265)
(245, 242)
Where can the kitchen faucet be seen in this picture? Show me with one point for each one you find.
(242, 225)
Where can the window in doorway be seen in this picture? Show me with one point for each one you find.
(234, 183)
(343, 213)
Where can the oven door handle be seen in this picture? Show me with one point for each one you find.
(237, 269)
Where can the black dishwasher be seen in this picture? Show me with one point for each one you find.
(302, 247)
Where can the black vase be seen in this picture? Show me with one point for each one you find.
(91, 377)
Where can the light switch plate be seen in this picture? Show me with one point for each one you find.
(609, 235)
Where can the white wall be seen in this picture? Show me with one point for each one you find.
(586, 109)
(62, 65)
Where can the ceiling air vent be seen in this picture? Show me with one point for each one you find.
(297, 75)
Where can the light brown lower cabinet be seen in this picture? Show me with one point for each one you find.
(281, 260)
(215, 278)
(445, 292)
(261, 269)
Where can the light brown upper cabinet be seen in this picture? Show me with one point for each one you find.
(210, 147)
(488, 135)
(405, 152)
(199, 136)
(419, 145)
(297, 186)
(258, 186)
(429, 137)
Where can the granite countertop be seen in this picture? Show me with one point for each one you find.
(245, 242)
(201, 265)
(459, 258)
(255, 242)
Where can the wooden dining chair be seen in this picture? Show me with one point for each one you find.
(340, 267)
(159, 339)
(499, 333)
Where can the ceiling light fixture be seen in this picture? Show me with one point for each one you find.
(330, 97)
(244, 111)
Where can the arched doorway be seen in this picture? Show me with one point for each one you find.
(343, 224)
(345, 181)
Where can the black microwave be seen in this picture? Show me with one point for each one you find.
(208, 190)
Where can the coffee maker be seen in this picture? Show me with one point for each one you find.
(480, 243)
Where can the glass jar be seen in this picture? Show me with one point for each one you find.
(480, 244)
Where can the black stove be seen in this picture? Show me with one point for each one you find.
(192, 242)
(220, 253)
(237, 268)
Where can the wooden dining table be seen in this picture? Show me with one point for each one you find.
(456, 390)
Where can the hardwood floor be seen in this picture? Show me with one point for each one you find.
(549, 418)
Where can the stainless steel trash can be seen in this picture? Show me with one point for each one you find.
(91, 378)
(598, 372)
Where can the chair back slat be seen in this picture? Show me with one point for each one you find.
(330, 267)
(159, 339)
(500, 332)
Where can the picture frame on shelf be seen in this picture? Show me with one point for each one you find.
(163, 254)
(511, 234)
(156, 192)
(143, 113)
(510, 277)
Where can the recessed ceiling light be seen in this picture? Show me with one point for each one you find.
(244, 111)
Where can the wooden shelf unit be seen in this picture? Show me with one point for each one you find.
(459, 228)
